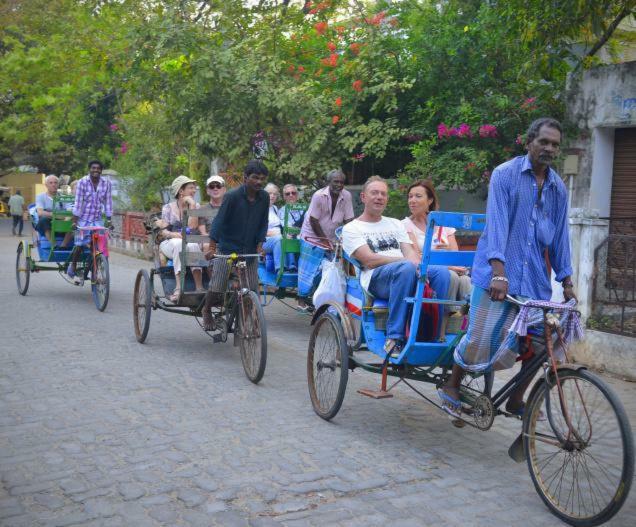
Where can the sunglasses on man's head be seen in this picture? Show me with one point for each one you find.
(215, 185)
(291, 193)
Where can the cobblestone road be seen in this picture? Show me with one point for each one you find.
(96, 429)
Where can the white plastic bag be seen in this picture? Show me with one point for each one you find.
(332, 286)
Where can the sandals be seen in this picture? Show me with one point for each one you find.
(393, 347)
(451, 406)
(174, 297)
(208, 321)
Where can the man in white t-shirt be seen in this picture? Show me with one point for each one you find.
(389, 261)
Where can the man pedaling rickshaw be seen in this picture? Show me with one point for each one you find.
(241, 225)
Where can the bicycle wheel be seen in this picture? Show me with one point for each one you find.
(142, 305)
(22, 270)
(252, 337)
(100, 285)
(583, 476)
(327, 366)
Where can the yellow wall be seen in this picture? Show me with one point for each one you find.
(28, 183)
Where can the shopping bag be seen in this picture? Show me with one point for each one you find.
(333, 284)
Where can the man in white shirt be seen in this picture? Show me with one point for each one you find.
(389, 261)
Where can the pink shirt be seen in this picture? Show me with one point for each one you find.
(320, 208)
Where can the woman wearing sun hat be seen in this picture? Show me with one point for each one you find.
(182, 189)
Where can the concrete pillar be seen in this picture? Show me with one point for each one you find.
(587, 232)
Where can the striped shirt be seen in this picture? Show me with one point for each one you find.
(520, 226)
(91, 203)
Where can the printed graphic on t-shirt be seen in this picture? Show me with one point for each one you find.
(380, 242)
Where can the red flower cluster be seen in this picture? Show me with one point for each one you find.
(338, 102)
(332, 47)
(355, 48)
(320, 27)
(332, 61)
(335, 119)
(470, 166)
(377, 19)
(357, 85)
(359, 157)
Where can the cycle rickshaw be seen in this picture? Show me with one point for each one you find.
(576, 438)
(282, 282)
(231, 282)
(39, 255)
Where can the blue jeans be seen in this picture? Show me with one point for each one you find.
(272, 245)
(440, 280)
(394, 282)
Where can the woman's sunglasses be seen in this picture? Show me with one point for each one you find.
(213, 186)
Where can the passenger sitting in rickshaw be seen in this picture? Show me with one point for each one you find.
(44, 208)
(183, 189)
(273, 238)
(389, 260)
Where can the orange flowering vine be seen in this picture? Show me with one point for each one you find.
(332, 47)
(338, 101)
(335, 119)
(355, 48)
(357, 85)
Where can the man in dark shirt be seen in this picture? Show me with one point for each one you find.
(241, 224)
(239, 227)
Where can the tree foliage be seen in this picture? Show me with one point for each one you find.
(158, 88)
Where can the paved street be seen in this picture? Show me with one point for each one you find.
(96, 429)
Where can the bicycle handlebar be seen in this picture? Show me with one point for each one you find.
(235, 256)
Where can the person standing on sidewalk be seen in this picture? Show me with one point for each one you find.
(16, 209)
(93, 200)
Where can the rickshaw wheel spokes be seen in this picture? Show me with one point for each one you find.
(582, 474)
(22, 270)
(327, 366)
(142, 305)
(100, 279)
(253, 337)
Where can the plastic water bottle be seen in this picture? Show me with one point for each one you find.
(188, 230)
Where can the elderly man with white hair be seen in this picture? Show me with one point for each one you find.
(272, 243)
(44, 206)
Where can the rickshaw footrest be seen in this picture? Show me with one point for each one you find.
(375, 394)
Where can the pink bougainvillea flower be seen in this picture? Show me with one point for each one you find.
(335, 119)
(313, 11)
(355, 48)
(113, 127)
(360, 156)
(357, 85)
(320, 27)
(464, 131)
(442, 130)
(123, 148)
(487, 130)
(529, 101)
(453, 132)
(338, 102)
(332, 47)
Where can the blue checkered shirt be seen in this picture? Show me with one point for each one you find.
(520, 226)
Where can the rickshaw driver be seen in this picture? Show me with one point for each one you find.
(526, 214)
(388, 258)
(92, 198)
(241, 224)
